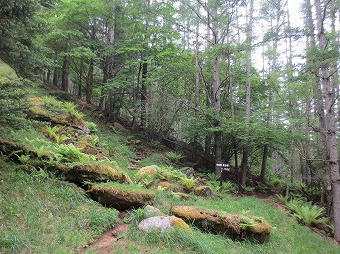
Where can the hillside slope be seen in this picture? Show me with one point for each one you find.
(42, 214)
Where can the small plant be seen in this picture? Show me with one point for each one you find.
(213, 177)
(92, 127)
(282, 199)
(41, 151)
(70, 153)
(24, 158)
(248, 189)
(70, 107)
(228, 186)
(174, 157)
(135, 216)
(53, 134)
(310, 215)
(188, 182)
(146, 182)
(246, 222)
(51, 101)
(52, 131)
(78, 114)
(160, 189)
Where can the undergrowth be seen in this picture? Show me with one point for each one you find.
(40, 214)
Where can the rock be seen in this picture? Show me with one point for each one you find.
(169, 186)
(92, 172)
(204, 191)
(121, 197)
(148, 172)
(218, 222)
(163, 223)
(190, 172)
(151, 211)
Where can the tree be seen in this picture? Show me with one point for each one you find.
(325, 75)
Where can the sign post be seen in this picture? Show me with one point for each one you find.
(223, 167)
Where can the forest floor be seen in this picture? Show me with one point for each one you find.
(42, 214)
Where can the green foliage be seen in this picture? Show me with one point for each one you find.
(38, 207)
(92, 126)
(281, 198)
(69, 106)
(223, 187)
(24, 159)
(52, 133)
(306, 213)
(174, 157)
(12, 103)
(213, 177)
(188, 182)
(51, 101)
(70, 153)
(135, 216)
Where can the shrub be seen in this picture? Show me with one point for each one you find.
(12, 103)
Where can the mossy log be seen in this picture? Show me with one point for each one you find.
(121, 198)
(232, 225)
(94, 172)
(39, 111)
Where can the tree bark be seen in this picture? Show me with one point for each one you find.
(89, 84)
(65, 73)
(143, 94)
(329, 102)
(244, 165)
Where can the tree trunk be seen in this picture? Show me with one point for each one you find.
(143, 94)
(264, 162)
(244, 165)
(89, 84)
(329, 101)
(55, 71)
(65, 73)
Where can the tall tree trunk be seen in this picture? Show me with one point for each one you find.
(80, 79)
(89, 84)
(244, 165)
(65, 73)
(55, 70)
(143, 94)
(329, 101)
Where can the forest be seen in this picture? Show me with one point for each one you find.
(254, 84)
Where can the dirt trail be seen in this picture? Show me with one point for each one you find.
(105, 243)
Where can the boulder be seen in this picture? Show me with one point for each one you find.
(95, 172)
(219, 222)
(151, 211)
(120, 197)
(204, 191)
(163, 223)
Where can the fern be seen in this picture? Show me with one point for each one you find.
(310, 215)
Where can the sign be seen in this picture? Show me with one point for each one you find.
(223, 166)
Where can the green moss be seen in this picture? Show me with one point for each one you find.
(180, 224)
(204, 191)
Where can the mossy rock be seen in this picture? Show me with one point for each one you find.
(170, 186)
(163, 223)
(95, 172)
(204, 191)
(218, 222)
(148, 172)
(38, 110)
(121, 197)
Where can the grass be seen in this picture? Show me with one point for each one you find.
(44, 215)
(40, 214)
(7, 71)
